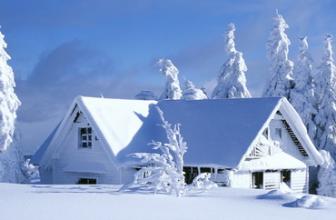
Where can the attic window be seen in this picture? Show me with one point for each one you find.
(85, 137)
(265, 133)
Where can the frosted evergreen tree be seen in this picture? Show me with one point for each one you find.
(231, 82)
(327, 176)
(302, 95)
(280, 83)
(190, 92)
(9, 102)
(163, 172)
(172, 89)
(326, 88)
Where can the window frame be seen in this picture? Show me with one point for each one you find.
(85, 139)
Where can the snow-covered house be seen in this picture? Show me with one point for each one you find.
(249, 143)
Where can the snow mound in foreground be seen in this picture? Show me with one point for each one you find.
(283, 193)
(308, 202)
(277, 195)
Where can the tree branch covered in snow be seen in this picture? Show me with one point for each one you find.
(172, 89)
(302, 95)
(326, 117)
(231, 82)
(163, 172)
(9, 102)
(281, 67)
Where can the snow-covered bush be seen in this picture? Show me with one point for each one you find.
(202, 182)
(326, 90)
(327, 176)
(190, 92)
(281, 67)
(9, 102)
(163, 172)
(30, 171)
(231, 82)
(146, 95)
(172, 89)
(302, 95)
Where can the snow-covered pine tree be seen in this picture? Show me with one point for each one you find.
(172, 89)
(281, 81)
(302, 96)
(190, 92)
(327, 176)
(9, 102)
(163, 172)
(231, 82)
(11, 159)
(326, 89)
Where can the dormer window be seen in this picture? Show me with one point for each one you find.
(85, 137)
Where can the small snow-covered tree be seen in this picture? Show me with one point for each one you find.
(9, 102)
(326, 88)
(231, 82)
(172, 89)
(190, 92)
(163, 172)
(280, 83)
(327, 176)
(146, 95)
(302, 95)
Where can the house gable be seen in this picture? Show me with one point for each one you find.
(77, 114)
(294, 147)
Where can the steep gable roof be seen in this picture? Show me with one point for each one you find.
(218, 131)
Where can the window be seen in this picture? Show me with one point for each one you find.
(265, 133)
(285, 176)
(278, 132)
(85, 137)
(190, 173)
(257, 180)
(206, 170)
(87, 181)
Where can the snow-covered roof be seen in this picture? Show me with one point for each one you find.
(218, 131)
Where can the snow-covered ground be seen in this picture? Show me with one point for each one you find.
(105, 202)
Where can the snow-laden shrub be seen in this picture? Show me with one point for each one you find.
(163, 172)
(191, 92)
(172, 89)
(231, 82)
(202, 182)
(327, 176)
(30, 171)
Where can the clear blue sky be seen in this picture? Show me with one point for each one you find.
(64, 48)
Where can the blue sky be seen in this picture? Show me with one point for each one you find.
(64, 48)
